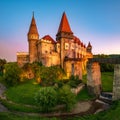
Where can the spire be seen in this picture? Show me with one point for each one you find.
(33, 27)
(89, 45)
(64, 25)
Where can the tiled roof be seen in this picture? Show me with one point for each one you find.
(49, 38)
(33, 27)
(64, 25)
(77, 40)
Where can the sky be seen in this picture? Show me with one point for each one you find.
(97, 21)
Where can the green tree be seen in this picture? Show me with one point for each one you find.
(12, 74)
(46, 98)
(105, 67)
(66, 97)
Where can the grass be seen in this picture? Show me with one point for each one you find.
(84, 95)
(107, 81)
(24, 93)
(20, 107)
(12, 116)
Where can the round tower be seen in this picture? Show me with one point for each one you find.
(89, 48)
(64, 34)
(33, 37)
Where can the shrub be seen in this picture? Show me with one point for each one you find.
(65, 96)
(12, 74)
(46, 98)
(47, 76)
(74, 81)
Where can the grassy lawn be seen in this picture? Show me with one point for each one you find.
(24, 93)
(12, 116)
(107, 81)
(84, 95)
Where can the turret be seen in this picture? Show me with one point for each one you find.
(33, 37)
(64, 34)
(89, 48)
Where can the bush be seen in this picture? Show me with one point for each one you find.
(74, 81)
(46, 98)
(65, 96)
(47, 76)
(12, 74)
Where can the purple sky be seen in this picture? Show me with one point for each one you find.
(97, 21)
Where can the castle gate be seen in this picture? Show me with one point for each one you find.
(94, 76)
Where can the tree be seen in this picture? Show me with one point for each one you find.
(46, 98)
(12, 74)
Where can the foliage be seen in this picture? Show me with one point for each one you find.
(65, 96)
(48, 75)
(12, 74)
(2, 63)
(46, 98)
(23, 93)
(105, 67)
(74, 81)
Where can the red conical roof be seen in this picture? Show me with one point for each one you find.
(33, 27)
(64, 25)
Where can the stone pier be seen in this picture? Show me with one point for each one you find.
(94, 78)
(116, 82)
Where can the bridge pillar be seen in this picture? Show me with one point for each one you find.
(94, 78)
(116, 82)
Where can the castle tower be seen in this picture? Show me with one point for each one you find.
(89, 48)
(64, 34)
(33, 37)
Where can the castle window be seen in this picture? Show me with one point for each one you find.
(66, 46)
(46, 51)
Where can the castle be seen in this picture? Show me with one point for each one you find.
(67, 50)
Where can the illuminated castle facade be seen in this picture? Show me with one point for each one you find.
(67, 50)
